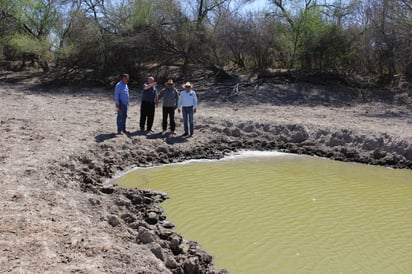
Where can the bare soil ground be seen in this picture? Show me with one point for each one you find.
(58, 153)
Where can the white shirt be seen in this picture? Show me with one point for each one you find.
(187, 99)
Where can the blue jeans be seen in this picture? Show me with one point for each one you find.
(121, 118)
(188, 119)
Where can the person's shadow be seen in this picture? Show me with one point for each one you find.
(137, 133)
(168, 138)
(155, 136)
(105, 136)
(173, 139)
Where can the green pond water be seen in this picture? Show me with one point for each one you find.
(282, 213)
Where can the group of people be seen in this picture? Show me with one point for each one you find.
(185, 102)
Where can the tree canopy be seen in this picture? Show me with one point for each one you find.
(104, 38)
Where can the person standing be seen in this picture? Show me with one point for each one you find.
(187, 104)
(149, 102)
(170, 98)
(121, 98)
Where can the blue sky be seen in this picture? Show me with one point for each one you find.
(256, 5)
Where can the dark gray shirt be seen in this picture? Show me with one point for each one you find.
(170, 97)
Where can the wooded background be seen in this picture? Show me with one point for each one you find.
(98, 38)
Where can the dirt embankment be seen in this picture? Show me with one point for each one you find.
(61, 211)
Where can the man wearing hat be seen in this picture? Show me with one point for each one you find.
(187, 104)
(170, 97)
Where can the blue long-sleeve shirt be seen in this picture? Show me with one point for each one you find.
(121, 94)
(187, 99)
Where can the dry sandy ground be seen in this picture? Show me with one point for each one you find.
(47, 226)
(44, 227)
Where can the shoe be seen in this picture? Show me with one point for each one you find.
(185, 134)
(126, 132)
(172, 132)
(191, 135)
(119, 133)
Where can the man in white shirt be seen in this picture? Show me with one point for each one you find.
(187, 104)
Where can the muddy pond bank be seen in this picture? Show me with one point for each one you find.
(141, 210)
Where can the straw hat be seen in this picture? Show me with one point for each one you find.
(187, 84)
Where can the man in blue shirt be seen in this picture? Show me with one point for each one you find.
(121, 99)
(149, 102)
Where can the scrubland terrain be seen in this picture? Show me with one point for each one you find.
(61, 211)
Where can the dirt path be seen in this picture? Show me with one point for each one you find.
(44, 227)
(57, 143)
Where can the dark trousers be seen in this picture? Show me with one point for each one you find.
(147, 111)
(168, 111)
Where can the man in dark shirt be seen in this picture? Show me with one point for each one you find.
(170, 97)
(149, 102)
